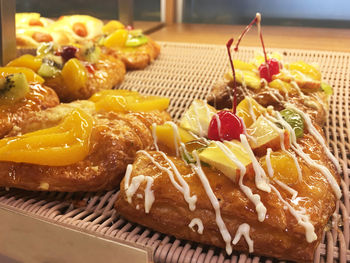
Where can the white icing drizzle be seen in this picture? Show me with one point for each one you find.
(218, 124)
(313, 131)
(254, 198)
(176, 136)
(183, 188)
(252, 138)
(214, 201)
(287, 188)
(251, 110)
(277, 129)
(302, 219)
(135, 183)
(154, 135)
(228, 89)
(261, 180)
(321, 168)
(305, 99)
(268, 162)
(149, 195)
(127, 176)
(243, 230)
(196, 222)
(292, 140)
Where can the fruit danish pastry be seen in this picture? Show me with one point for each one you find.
(80, 146)
(22, 93)
(136, 50)
(75, 72)
(254, 178)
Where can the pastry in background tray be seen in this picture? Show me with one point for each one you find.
(75, 72)
(297, 82)
(32, 29)
(254, 178)
(80, 146)
(136, 50)
(22, 94)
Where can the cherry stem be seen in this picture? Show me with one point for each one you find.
(234, 102)
(256, 20)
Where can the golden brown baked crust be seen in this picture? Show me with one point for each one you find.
(115, 139)
(279, 235)
(38, 98)
(108, 72)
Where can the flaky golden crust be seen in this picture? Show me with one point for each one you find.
(38, 98)
(108, 72)
(115, 139)
(279, 235)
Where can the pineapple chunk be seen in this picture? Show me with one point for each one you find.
(264, 134)
(260, 59)
(282, 86)
(243, 65)
(217, 154)
(27, 61)
(284, 167)
(197, 118)
(116, 39)
(306, 69)
(249, 78)
(245, 109)
(148, 103)
(165, 136)
(74, 75)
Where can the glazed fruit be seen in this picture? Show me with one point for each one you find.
(225, 126)
(64, 144)
(68, 52)
(295, 121)
(74, 75)
(112, 26)
(27, 61)
(30, 75)
(13, 88)
(116, 39)
(246, 108)
(268, 69)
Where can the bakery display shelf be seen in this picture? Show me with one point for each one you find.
(184, 72)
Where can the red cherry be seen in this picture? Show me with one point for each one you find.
(129, 27)
(230, 126)
(68, 52)
(267, 72)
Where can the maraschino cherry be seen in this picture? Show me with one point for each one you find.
(271, 66)
(226, 125)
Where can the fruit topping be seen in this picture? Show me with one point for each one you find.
(265, 134)
(45, 49)
(68, 52)
(92, 53)
(197, 118)
(116, 39)
(42, 37)
(124, 101)
(294, 120)
(221, 156)
(80, 29)
(30, 75)
(326, 88)
(267, 70)
(64, 144)
(249, 110)
(51, 65)
(13, 87)
(225, 126)
(112, 26)
(74, 75)
(27, 61)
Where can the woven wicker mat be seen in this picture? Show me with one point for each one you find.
(184, 72)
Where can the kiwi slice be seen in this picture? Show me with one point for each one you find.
(13, 87)
(45, 48)
(50, 66)
(92, 54)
